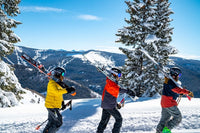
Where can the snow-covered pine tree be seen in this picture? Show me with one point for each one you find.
(9, 87)
(142, 32)
(132, 69)
(163, 32)
(7, 36)
(158, 46)
(140, 25)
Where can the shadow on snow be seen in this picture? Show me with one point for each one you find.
(80, 110)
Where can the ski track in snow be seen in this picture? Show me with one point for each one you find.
(141, 116)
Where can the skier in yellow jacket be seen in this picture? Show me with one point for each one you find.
(54, 99)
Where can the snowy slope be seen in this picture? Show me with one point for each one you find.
(95, 58)
(141, 116)
(8, 96)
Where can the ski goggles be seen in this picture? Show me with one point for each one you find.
(63, 74)
(118, 74)
(179, 74)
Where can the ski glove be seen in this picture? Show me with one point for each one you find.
(130, 92)
(70, 89)
(191, 94)
(63, 105)
(119, 106)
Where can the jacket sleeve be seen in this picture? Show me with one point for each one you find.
(121, 90)
(61, 90)
(62, 86)
(180, 91)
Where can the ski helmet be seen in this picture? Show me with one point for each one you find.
(116, 71)
(175, 71)
(57, 72)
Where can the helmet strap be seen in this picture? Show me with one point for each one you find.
(175, 77)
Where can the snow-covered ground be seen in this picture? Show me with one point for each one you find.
(140, 116)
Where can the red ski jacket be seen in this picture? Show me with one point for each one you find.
(110, 94)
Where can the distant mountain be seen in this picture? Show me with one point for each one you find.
(88, 79)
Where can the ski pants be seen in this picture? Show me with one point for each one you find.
(106, 114)
(170, 118)
(54, 121)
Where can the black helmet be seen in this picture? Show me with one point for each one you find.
(57, 72)
(116, 72)
(175, 71)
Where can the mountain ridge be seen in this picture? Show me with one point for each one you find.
(84, 73)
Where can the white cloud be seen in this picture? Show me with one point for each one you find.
(40, 9)
(88, 17)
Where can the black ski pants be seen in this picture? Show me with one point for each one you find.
(54, 121)
(106, 114)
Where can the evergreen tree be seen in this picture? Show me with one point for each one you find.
(7, 36)
(148, 29)
(158, 45)
(9, 86)
(140, 25)
(132, 69)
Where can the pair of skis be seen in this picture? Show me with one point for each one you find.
(159, 67)
(101, 68)
(34, 63)
(41, 69)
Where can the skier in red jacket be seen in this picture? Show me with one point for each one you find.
(109, 102)
(168, 102)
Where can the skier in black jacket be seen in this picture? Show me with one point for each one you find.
(109, 102)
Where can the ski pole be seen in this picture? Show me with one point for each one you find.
(178, 101)
(179, 98)
(121, 103)
(67, 104)
(38, 127)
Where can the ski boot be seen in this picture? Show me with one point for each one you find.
(166, 130)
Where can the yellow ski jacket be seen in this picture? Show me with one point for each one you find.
(54, 96)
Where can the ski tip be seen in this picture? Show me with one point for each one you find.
(135, 98)
(37, 128)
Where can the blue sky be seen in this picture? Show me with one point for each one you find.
(92, 24)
